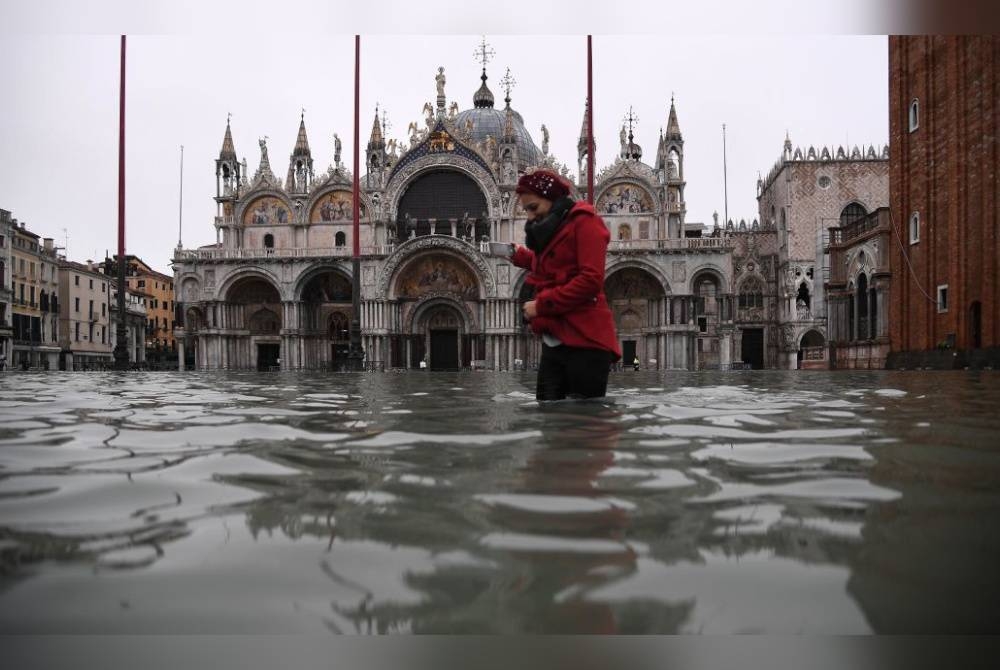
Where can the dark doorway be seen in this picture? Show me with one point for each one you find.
(628, 352)
(417, 352)
(444, 350)
(753, 348)
(339, 353)
(976, 325)
(267, 356)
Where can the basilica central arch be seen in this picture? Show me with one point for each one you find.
(252, 306)
(437, 295)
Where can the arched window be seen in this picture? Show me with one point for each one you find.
(340, 239)
(852, 213)
(269, 241)
(914, 115)
(803, 297)
(783, 230)
(707, 291)
(192, 320)
(442, 195)
(751, 294)
(673, 163)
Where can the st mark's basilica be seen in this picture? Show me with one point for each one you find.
(275, 289)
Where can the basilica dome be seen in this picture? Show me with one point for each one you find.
(487, 120)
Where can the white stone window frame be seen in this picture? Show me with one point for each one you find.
(913, 114)
(914, 228)
(942, 299)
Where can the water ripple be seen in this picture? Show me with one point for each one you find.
(452, 502)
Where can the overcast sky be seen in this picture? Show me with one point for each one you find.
(59, 129)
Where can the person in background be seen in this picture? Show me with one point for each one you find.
(565, 247)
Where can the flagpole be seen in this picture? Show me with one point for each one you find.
(356, 354)
(725, 185)
(590, 121)
(121, 348)
(180, 205)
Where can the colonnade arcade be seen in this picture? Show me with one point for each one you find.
(440, 307)
(666, 330)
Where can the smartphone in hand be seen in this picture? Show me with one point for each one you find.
(502, 249)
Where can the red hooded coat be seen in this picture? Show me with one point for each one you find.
(568, 277)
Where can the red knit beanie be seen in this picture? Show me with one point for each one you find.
(543, 183)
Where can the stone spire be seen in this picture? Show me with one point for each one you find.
(508, 82)
(227, 168)
(228, 151)
(673, 128)
(300, 164)
(376, 138)
(376, 157)
(582, 147)
(302, 142)
(581, 144)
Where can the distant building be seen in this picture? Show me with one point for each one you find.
(858, 290)
(156, 291)
(944, 118)
(85, 334)
(6, 294)
(35, 300)
(135, 325)
(808, 192)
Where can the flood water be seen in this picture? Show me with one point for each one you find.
(749, 502)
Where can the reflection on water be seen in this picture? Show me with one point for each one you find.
(452, 502)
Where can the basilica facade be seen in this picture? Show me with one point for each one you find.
(274, 291)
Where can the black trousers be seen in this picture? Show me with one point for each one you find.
(570, 372)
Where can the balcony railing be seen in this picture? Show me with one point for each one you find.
(858, 228)
(257, 254)
(244, 253)
(675, 244)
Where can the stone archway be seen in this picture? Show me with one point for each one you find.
(443, 327)
(812, 354)
(252, 304)
(638, 302)
(325, 296)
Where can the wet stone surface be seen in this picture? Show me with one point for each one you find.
(742, 502)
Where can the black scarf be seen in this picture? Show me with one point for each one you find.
(539, 232)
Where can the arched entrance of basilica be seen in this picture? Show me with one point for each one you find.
(251, 304)
(638, 302)
(444, 328)
(438, 296)
(325, 319)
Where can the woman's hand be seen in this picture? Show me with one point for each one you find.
(529, 311)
